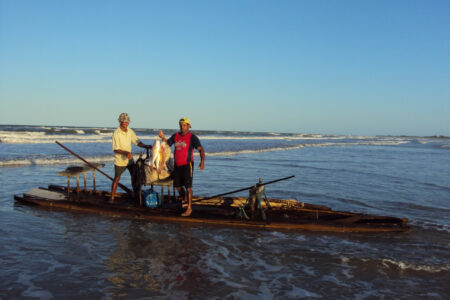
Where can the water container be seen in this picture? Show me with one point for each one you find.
(151, 198)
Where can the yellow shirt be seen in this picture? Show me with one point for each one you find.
(122, 141)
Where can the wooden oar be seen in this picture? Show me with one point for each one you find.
(243, 189)
(93, 166)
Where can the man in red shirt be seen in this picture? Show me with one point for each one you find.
(185, 143)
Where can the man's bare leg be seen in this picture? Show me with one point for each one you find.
(182, 193)
(188, 211)
(114, 188)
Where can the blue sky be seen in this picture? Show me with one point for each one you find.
(333, 67)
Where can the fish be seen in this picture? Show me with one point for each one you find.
(159, 157)
(156, 154)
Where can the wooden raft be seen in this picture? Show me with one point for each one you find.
(286, 216)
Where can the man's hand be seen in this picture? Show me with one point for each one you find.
(202, 165)
(129, 155)
(142, 145)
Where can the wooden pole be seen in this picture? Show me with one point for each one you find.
(243, 189)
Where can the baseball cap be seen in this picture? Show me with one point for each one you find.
(185, 120)
(124, 118)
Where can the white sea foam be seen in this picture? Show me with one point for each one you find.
(109, 158)
(389, 263)
(16, 162)
(53, 161)
(431, 225)
(299, 146)
(95, 135)
(39, 137)
(345, 260)
(250, 151)
(271, 137)
(382, 143)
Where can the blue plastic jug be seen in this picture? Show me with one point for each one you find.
(151, 198)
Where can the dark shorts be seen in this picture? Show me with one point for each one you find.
(118, 170)
(182, 175)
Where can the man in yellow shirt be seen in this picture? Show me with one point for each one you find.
(121, 145)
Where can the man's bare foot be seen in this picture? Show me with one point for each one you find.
(112, 198)
(187, 213)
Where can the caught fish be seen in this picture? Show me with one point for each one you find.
(160, 155)
(156, 154)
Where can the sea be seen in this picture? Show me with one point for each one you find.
(50, 254)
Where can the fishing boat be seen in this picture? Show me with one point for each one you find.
(254, 211)
(288, 214)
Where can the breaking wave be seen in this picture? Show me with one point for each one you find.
(98, 136)
(53, 161)
(21, 134)
(40, 137)
(105, 158)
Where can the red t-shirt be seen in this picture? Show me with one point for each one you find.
(184, 147)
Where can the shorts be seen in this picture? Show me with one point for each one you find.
(182, 175)
(118, 170)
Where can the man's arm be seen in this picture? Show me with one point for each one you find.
(142, 145)
(163, 138)
(135, 140)
(202, 157)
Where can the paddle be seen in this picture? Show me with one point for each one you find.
(93, 166)
(243, 189)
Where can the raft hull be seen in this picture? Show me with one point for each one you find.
(284, 215)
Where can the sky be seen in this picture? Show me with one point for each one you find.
(332, 67)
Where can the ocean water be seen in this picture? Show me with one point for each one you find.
(52, 254)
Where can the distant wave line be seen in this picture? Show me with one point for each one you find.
(52, 161)
(44, 138)
(109, 158)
